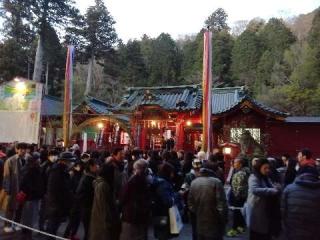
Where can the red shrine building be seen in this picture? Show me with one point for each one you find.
(148, 116)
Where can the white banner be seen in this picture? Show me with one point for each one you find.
(20, 109)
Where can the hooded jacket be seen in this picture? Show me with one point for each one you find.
(301, 208)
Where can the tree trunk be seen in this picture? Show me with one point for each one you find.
(89, 76)
(38, 61)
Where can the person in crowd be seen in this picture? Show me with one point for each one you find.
(75, 214)
(305, 158)
(120, 179)
(31, 191)
(180, 155)
(301, 206)
(59, 193)
(104, 215)
(187, 163)
(274, 175)
(259, 211)
(43, 153)
(136, 203)
(164, 198)
(218, 171)
(202, 156)
(11, 185)
(3, 157)
(192, 175)
(253, 163)
(45, 170)
(238, 195)
(318, 165)
(290, 173)
(85, 194)
(154, 161)
(207, 200)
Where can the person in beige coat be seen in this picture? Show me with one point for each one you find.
(11, 182)
(104, 217)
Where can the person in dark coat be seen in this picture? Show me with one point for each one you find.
(32, 188)
(45, 170)
(120, 179)
(301, 206)
(207, 200)
(136, 203)
(85, 194)
(163, 199)
(260, 210)
(104, 215)
(59, 193)
(75, 214)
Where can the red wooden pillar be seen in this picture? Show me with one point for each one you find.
(143, 137)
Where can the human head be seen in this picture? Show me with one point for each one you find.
(201, 155)
(166, 170)
(140, 167)
(66, 158)
(254, 161)
(34, 159)
(53, 156)
(85, 157)
(285, 159)
(304, 154)
(238, 163)
(262, 167)
(21, 149)
(118, 154)
(196, 164)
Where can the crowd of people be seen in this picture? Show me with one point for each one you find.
(120, 195)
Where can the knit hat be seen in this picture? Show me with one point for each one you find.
(68, 156)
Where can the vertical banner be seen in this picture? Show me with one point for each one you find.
(67, 113)
(85, 142)
(207, 92)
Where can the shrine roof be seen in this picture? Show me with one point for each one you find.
(302, 119)
(51, 106)
(98, 106)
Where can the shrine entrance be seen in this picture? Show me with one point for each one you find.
(102, 133)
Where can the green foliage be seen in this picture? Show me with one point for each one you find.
(246, 53)
(217, 21)
(99, 32)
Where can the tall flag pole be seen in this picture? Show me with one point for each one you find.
(67, 113)
(207, 92)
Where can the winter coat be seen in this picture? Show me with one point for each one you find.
(301, 208)
(59, 192)
(255, 209)
(207, 200)
(31, 182)
(120, 177)
(163, 199)
(135, 200)
(85, 191)
(239, 184)
(45, 169)
(102, 215)
(11, 179)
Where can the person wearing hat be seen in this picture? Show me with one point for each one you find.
(207, 201)
(45, 170)
(59, 192)
(301, 206)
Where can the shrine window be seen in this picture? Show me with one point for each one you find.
(235, 134)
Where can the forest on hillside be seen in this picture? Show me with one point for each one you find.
(277, 60)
